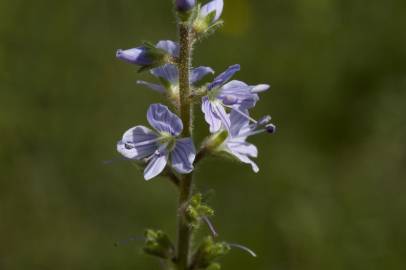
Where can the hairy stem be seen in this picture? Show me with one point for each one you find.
(185, 185)
(184, 85)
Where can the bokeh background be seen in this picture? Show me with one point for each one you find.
(331, 190)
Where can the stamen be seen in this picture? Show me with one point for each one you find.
(270, 128)
(244, 248)
(258, 127)
(161, 149)
(210, 225)
(251, 133)
(264, 120)
(144, 142)
(241, 113)
(157, 152)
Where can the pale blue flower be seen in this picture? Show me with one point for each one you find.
(223, 94)
(240, 129)
(159, 146)
(169, 77)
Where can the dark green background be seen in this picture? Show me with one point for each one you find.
(331, 190)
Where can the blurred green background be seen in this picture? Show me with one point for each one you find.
(331, 190)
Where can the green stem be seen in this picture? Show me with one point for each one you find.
(185, 185)
(184, 229)
(184, 85)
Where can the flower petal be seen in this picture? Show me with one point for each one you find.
(198, 73)
(238, 122)
(138, 56)
(163, 120)
(240, 92)
(210, 115)
(169, 46)
(155, 166)
(216, 6)
(222, 115)
(243, 151)
(224, 77)
(156, 87)
(137, 143)
(260, 88)
(183, 156)
(168, 72)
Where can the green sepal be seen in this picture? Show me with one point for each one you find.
(208, 252)
(215, 141)
(196, 210)
(158, 244)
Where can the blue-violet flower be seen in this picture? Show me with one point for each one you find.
(222, 95)
(160, 146)
(240, 129)
(169, 77)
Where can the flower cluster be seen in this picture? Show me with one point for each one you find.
(225, 103)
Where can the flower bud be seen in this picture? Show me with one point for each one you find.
(196, 210)
(184, 5)
(150, 56)
(208, 17)
(157, 243)
(212, 10)
(208, 252)
(139, 56)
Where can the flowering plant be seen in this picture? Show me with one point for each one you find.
(168, 147)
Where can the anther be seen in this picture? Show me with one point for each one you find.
(270, 128)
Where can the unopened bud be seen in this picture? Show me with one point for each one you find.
(149, 55)
(139, 56)
(208, 252)
(157, 243)
(184, 5)
(196, 210)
